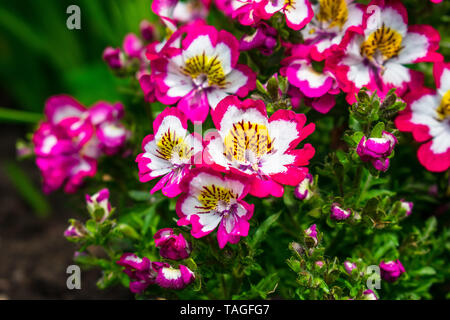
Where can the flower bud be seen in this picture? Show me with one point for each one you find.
(132, 46)
(320, 263)
(311, 233)
(147, 31)
(337, 213)
(369, 295)
(407, 206)
(76, 230)
(391, 270)
(303, 190)
(349, 266)
(98, 205)
(174, 247)
(377, 150)
(113, 57)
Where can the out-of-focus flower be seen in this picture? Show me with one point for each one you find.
(427, 116)
(147, 31)
(349, 266)
(210, 200)
(320, 263)
(113, 57)
(247, 12)
(171, 246)
(303, 190)
(369, 295)
(169, 152)
(391, 270)
(68, 144)
(98, 205)
(337, 213)
(377, 150)
(202, 72)
(250, 144)
(407, 206)
(181, 11)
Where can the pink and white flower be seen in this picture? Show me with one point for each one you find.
(174, 278)
(98, 205)
(181, 11)
(427, 116)
(171, 246)
(68, 144)
(202, 72)
(248, 143)
(319, 88)
(76, 230)
(377, 150)
(169, 152)
(210, 200)
(375, 56)
(297, 12)
(337, 213)
(391, 270)
(247, 12)
(331, 20)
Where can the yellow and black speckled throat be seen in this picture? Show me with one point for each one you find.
(247, 136)
(385, 40)
(208, 67)
(171, 145)
(443, 110)
(211, 196)
(334, 12)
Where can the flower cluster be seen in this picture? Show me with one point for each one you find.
(143, 272)
(72, 138)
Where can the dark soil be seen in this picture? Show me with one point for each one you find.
(34, 254)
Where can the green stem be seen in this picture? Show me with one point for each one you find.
(10, 115)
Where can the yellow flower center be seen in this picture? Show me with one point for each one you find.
(443, 110)
(385, 40)
(213, 197)
(244, 137)
(202, 68)
(335, 12)
(170, 146)
(289, 4)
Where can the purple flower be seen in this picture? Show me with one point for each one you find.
(391, 270)
(407, 206)
(302, 190)
(369, 295)
(264, 39)
(349, 266)
(312, 233)
(174, 247)
(377, 150)
(113, 57)
(142, 271)
(132, 46)
(337, 213)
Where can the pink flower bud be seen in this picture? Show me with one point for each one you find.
(113, 57)
(391, 270)
(337, 213)
(174, 247)
(377, 150)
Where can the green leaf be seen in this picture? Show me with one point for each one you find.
(263, 228)
(377, 131)
(138, 195)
